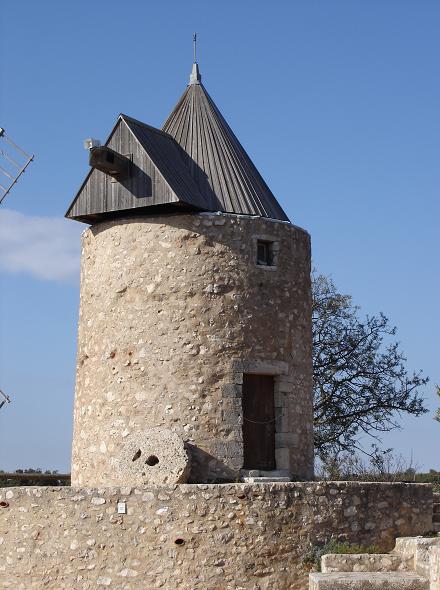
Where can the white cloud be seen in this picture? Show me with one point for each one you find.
(47, 248)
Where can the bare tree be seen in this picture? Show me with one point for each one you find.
(361, 384)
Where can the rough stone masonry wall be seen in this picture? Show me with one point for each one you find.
(173, 311)
(194, 537)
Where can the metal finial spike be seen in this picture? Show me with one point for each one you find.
(195, 77)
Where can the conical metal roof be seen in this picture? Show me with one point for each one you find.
(218, 163)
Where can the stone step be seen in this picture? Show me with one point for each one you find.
(265, 479)
(262, 473)
(418, 548)
(436, 508)
(273, 473)
(368, 581)
(365, 562)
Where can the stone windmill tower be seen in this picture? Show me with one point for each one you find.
(195, 312)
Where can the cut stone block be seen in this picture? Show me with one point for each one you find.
(434, 559)
(286, 439)
(368, 581)
(155, 456)
(365, 562)
(418, 548)
(282, 458)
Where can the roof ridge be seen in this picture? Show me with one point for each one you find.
(150, 127)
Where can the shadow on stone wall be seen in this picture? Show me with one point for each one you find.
(206, 468)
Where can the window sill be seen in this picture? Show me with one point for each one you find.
(271, 267)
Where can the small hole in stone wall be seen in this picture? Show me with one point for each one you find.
(241, 496)
(137, 455)
(152, 460)
(4, 504)
(113, 354)
(179, 541)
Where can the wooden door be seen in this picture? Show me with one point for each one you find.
(258, 422)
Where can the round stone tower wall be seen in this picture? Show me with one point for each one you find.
(174, 312)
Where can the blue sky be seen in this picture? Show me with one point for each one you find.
(336, 102)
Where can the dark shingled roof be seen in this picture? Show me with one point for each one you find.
(217, 161)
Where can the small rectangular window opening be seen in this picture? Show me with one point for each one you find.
(265, 253)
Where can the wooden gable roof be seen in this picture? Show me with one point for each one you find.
(158, 177)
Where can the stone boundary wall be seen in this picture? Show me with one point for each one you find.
(196, 536)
